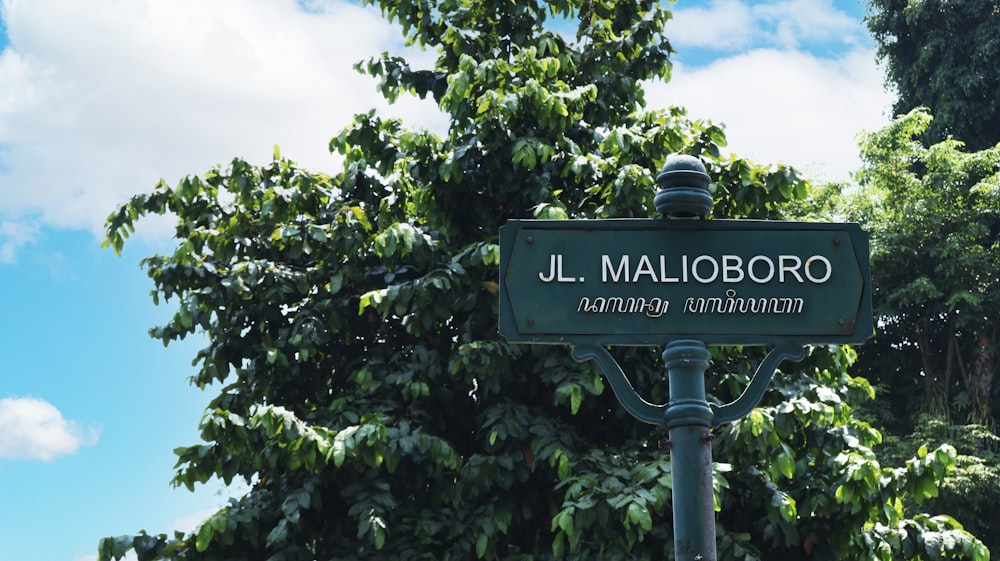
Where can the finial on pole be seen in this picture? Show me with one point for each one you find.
(684, 188)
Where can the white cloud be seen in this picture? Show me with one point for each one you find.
(738, 25)
(792, 23)
(33, 429)
(12, 236)
(108, 97)
(100, 102)
(724, 24)
(786, 106)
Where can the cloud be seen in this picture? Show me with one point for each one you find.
(793, 23)
(99, 103)
(33, 429)
(104, 100)
(13, 235)
(793, 81)
(786, 106)
(725, 25)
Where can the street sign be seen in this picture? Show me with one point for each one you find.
(651, 281)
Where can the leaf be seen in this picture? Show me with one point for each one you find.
(379, 533)
(844, 494)
(341, 442)
(785, 462)
(639, 514)
(524, 153)
(278, 535)
(563, 469)
(485, 102)
(574, 392)
(204, 537)
(482, 542)
(785, 505)
(113, 548)
(564, 521)
(926, 488)
(559, 545)
(756, 420)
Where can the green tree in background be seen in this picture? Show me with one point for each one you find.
(934, 216)
(972, 490)
(364, 393)
(944, 55)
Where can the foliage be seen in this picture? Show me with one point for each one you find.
(971, 492)
(363, 391)
(810, 483)
(943, 54)
(934, 217)
(825, 203)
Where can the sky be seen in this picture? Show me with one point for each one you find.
(99, 99)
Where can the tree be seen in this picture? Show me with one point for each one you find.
(934, 216)
(943, 54)
(972, 490)
(365, 394)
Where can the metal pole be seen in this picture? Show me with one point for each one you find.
(688, 416)
(688, 419)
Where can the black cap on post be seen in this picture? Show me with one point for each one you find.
(684, 188)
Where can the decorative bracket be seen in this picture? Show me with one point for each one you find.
(626, 394)
(754, 391)
(657, 414)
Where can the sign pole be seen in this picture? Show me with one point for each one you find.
(685, 282)
(688, 419)
(688, 416)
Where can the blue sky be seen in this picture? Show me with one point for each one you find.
(99, 99)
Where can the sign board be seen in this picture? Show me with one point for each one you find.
(650, 281)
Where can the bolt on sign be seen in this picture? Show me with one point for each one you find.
(648, 281)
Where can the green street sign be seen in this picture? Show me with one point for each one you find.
(651, 281)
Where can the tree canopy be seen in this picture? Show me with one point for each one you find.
(934, 216)
(363, 392)
(943, 55)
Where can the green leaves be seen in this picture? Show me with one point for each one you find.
(931, 211)
(530, 152)
(785, 462)
(113, 548)
(918, 45)
(927, 469)
(815, 464)
(638, 515)
(363, 394)
(400, 240)
(601, 488)
(215, 525)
